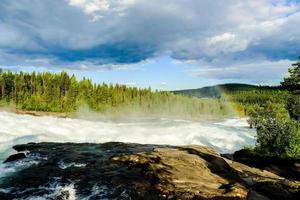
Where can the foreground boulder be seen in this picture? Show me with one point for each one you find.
(133, 171)
(196, 172)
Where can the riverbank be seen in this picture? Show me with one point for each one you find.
(35, 113)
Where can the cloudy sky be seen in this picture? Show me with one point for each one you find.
(167, 44)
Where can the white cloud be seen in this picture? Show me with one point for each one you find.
(98, 8)
(226, 43)
(91, 6)
(260, 70)
(114, 34)
(221, 38)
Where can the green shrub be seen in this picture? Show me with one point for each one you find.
(277, 133)
(278, 124)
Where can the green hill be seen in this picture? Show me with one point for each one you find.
(242, 96)
(218, 90)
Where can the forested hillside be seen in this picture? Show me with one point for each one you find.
(218, 91)
(242, 95)
(63, 93)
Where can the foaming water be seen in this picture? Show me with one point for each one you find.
(226, 136)
(56, 191)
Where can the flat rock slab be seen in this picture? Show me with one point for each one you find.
(133, 171)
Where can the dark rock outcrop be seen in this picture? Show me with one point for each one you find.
(15, 157)
(133, 171)
(285, 167)
(196, 172)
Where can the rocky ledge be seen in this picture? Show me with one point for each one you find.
(132, 171)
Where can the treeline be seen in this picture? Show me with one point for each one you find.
(64, 93)
(259, 95)
(246, 100)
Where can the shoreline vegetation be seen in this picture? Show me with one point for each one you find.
(34, 113)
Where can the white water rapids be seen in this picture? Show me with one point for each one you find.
(226, 136)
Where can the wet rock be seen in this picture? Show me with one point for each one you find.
(6, 195)
(275, 190)
(88, 166)
(133, 171)
(253, 195)
(176, 173)
(15, 157)
(195, 172)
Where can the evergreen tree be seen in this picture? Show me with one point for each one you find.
(292, 83)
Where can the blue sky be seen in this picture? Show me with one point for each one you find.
(164, 44)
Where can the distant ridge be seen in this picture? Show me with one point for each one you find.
(217, 90)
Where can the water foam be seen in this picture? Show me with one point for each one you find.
(226, 136)
(10, 168)
(56, 190)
